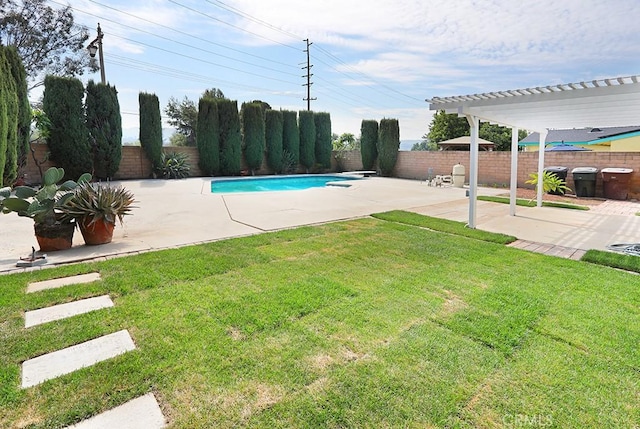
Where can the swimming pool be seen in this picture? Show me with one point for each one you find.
(279, 183)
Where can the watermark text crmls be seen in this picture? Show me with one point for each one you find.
(520, 420)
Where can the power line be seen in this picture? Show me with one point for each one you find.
(338, 60)
(363, 80)
(178, 42)
(184, 33)
(238, 12)
(252, 18)
(231, 25)
(179, 74)
(344, 91)
(199, 59)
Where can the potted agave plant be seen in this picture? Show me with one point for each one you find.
(53, 228)
(95, 207)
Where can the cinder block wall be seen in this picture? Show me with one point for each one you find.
(133, 165)
(494, 168)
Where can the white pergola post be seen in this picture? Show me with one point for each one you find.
(514, 172)
(543, 139)
(474, 125)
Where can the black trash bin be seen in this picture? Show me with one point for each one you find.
(585, 181)
(561, 173)
(615, 182)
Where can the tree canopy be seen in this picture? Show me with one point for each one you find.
(424, 145)
(346, 141)
(47, 39)
(183, 115)
(446, 126)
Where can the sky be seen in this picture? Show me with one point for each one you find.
(371, 59)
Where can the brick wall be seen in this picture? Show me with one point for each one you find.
(133, 165)
(494, 168)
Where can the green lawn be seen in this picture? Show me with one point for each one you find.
(531, 203)
(365, 323)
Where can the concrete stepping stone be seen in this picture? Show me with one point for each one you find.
(64, 281)
(65, 361)
(62, 311)
(143, 412)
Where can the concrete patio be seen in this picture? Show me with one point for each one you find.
(174, 213)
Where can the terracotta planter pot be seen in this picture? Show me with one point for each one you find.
(98, 232)
(54, 237)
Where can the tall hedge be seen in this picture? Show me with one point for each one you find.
(388, 145)
(11, 153)
(68, 137)
(105, 128)
(369, 143)
(307, 139)
(9, 91)
(151, 129)
(5, 95)
(291, 135)
(273, 123)
(324, 144)
(253, 135)
(230, 137)
(208, 137)
(24, 109)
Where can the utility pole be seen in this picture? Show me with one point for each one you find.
(96, 46)
(308, 76)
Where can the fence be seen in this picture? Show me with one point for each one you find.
(494, 168)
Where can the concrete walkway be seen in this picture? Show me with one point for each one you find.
(174, 213)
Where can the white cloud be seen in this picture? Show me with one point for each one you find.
(361, 48)
(483, 32)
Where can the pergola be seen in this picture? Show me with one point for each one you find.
(598, 103)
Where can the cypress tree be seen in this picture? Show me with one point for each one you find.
(10, 142)
(151, 129)
(273, 139)
(324, 145)
(68, 137)
(307, 139)
(253, 135)
(24, 109)
(105, 128)
(208, 137)
(291, 136)
(388, 145)
(4, 96)
(230, 137)
(369, 143)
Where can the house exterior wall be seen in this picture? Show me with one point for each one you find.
(631, 144)
(625, 144)
(494, 168)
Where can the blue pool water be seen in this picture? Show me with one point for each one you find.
(276, 183)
